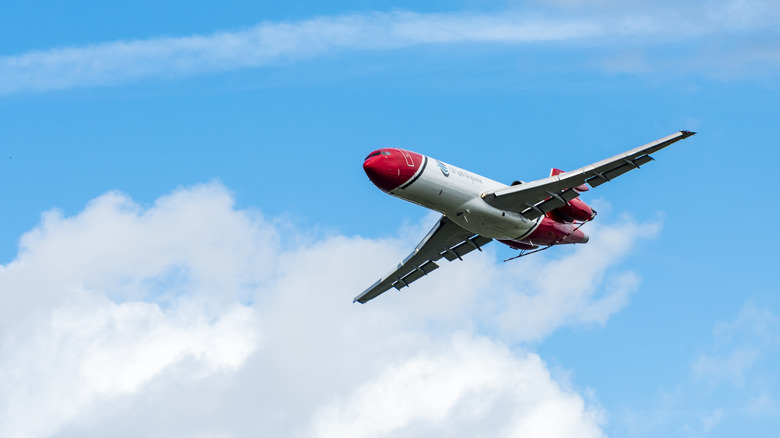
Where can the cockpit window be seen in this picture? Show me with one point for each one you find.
(375, 153)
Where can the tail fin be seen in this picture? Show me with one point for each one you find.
(582, 188)
(576, 209)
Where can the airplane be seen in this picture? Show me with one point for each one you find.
(527, 216)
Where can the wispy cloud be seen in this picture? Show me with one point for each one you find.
(739, 346)
(603, 26)
(124, 61)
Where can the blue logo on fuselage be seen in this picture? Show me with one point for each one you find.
(443, 168)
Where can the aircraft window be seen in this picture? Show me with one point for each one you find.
(372, 154)
(385, 152)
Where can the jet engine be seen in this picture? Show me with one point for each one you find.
(576, 210)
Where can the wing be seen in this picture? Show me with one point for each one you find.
(446, 240)
(536, 198)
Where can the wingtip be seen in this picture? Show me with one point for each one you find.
(688, 133)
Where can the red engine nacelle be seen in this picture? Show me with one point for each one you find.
(576, 210)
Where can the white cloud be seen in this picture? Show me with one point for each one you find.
(711, 419)
(533, 297)
(95, 350)
(726, 368)
(192, 318)
(467, 382)
(738, 347)
(632, 27)
(730, 383)
(751, 324)
(763, 405)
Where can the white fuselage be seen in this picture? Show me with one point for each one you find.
(456, 193)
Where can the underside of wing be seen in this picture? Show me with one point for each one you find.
(446, 240)
(536, 198)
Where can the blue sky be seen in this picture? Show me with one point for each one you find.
(182, 186)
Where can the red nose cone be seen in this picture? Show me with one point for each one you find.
(389, 169)
(380, 173)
